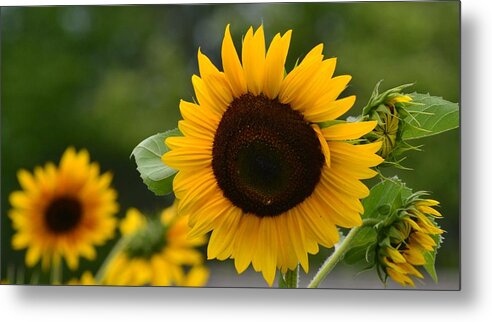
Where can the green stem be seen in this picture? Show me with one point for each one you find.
(56, 272)
(117, 248)
(337, 255)
(292, 278)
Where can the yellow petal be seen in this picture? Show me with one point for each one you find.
(253, 57)
(297, 237)
(199, 117)
(336, 87)
(318, 224)
(424, 240)
(26, 180)
(208, 100)
(32, 255)
(347, 183)
(197, 276)
(337, 212)
(20, 240)
(400, 278)
(414, 256)
(215, 81)
(133, 221)
(328, 110)
(221, 239)
(324, 145)
(275, 64)
(430, 211)
(348, 131)
(266, 252)
(19, 199)
(245, 243)
(232, 66)
(361, 155)
(184, 158)
(316, 86)
(395, 255)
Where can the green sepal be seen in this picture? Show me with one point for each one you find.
(430, 258)
(379, 99)
(361, 245)
(385, 198)
(329, 123)
(155, 174)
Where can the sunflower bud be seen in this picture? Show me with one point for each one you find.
(410, 241)
(389, 110)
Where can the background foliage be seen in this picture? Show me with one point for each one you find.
(105, 78)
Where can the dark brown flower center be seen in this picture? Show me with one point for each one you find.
(266, 157)
(63, 214)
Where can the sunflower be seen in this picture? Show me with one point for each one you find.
(254, 165)
(410, 239)
(63, 212)
(157, 252)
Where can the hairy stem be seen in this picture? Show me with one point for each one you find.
(337, 255)
(292, 278)
(117, 248)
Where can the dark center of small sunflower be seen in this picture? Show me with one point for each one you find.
(266, 157)
(63, 214)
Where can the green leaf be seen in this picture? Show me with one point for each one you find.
(430, 115)
(155, 174)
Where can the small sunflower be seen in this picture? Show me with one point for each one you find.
(63, 212)
(254, 166)
(157, 252)
(410, 239)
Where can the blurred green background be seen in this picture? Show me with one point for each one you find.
(105, 78)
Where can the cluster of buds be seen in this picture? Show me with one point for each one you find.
(390, 111)
(409, 241)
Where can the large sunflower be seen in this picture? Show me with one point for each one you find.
(157, 253)
(255, 168)
(64, 211)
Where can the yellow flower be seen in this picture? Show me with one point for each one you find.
(411, 238)
(255, 168)
(157, 252)
(63, 212)
(86, 279)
